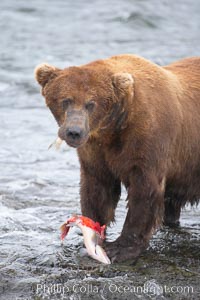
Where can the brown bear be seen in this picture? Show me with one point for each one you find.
(133, 123)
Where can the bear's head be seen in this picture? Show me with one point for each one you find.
(85, 100)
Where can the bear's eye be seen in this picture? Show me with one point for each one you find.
(90, 106)
(66, 103)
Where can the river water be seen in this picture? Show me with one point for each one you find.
(39, 188)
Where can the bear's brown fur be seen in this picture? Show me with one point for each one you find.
(133, 123)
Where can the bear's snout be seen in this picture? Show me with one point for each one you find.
(75, 129)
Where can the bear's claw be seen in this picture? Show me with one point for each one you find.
(118, 253)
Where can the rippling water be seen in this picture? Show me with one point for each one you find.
(39, 188)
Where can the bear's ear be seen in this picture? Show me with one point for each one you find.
(123, 84)
(44, 72)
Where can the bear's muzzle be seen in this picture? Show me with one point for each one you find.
(75, 129)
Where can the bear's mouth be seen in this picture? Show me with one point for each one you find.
(76, 143)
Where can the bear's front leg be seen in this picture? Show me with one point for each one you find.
(145, 213)
(99, 193)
